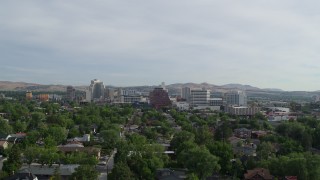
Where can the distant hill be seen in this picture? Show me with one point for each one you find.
(226, 87)
(192, 85)
(22, 86)
(240, 87)
(272, 89)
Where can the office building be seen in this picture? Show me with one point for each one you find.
(71, 93)
(236, 98)
(185, 93)
(131, 99)
(199, 97)
(215, 102)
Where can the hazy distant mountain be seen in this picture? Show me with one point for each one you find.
(192, 85)
(22, 86)
(272, 89)
(240, 86)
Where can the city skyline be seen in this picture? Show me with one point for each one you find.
(266, 44)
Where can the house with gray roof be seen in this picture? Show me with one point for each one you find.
(45, 172)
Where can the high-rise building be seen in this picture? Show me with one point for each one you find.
(71, 93)
(238, 98)
(97, 89)
(185, 93)
(88, 95)
(29, 95)
(199, 97)
(159, 98)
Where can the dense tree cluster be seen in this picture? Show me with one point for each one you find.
(200, 141)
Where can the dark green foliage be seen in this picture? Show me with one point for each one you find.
(224, 152)
(199, 161)
(121, 171)
(13, 163)
(84, 172)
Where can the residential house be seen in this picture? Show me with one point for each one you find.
(246, 150)
(235, 141)
(4, 137)
(258, 174)
(78, 147)
(16, 138)
(22, 176)
(84, 138)
(242, 133)
(258, 134)
(45, 172)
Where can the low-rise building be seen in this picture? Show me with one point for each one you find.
(258, 134)
(215, 102)
(258, 173)
(22, 176)
(242, 110)
(71, 148)
(84, 138)
(182, 106)
(131, 98)
(45, 171)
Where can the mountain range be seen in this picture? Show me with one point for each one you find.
(23, 86)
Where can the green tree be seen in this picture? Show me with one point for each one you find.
(199, 161)
(84, 172)
(19, 126)
(110, 138)
(48, 156)
(225, 154)
(56, 174)
(33, 137)
(265, 150)
(59, 134)
(121, 171)
(237, 169)
(36, 118)
(180, 138)
(223, 132)
(203, 136)
(31, 153)
(192, 176)
(13, 163)
(5, 127)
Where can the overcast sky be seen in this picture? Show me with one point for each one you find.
(265, 43)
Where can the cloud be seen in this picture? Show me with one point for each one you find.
(147, 42)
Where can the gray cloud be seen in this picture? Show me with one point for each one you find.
(263, 43)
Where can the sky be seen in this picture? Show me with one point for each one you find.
(265, 43)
